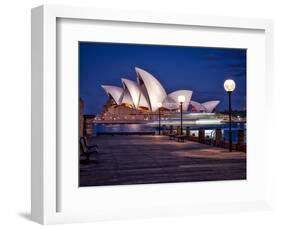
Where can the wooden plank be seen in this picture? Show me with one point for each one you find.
(156, 159)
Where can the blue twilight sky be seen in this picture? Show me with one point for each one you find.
(202, 70)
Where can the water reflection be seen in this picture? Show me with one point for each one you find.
(152, 127)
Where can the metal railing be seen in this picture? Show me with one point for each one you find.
(216, 137)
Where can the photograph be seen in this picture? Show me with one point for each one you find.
(151, 114)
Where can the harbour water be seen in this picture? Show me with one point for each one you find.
(209, 127)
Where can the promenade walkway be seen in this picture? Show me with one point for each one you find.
(124, 160)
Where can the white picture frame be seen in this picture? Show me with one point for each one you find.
(45, 182)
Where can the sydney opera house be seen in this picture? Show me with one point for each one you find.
(141, 99)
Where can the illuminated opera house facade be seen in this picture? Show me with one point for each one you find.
(142, 99)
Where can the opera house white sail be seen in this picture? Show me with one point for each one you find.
(137, 97)
(196, 106)
(152, 88)
(171, 101)
(210, 105)
(207, 107)
(147, 93)
(114, 92)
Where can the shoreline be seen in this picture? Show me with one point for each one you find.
(162, 122)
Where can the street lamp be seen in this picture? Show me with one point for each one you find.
(159, 105)
(181, 100)
(229, 86)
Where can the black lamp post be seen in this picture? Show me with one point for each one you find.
(229, 86)
(159, 117)
(181, 100)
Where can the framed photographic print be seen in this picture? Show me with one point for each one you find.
(139, 114)
(139, 131)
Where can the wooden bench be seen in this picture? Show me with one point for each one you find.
(87, 150)
(90, 145)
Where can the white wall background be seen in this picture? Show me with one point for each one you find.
(15, 112)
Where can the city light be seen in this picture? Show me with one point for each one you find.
(229, 85)
(181, 99)
(159, 104)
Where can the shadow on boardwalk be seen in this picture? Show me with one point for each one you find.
(155, 159)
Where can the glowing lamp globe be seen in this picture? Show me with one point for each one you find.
(159, 104)
(181, 99)
(229, 85)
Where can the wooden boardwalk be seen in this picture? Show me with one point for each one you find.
(156, 159)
